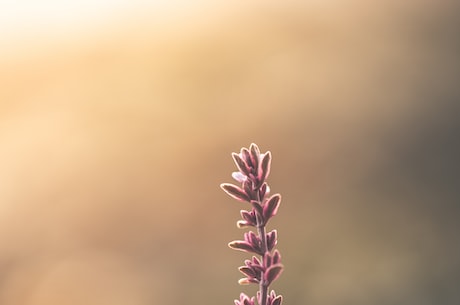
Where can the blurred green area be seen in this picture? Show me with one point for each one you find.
(113, 146)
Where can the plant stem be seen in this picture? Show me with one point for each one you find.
(263, 287)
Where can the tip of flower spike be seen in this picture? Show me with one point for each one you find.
(253, 146)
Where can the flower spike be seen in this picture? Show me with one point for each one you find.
(253, 170)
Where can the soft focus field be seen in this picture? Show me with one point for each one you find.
(116, 131)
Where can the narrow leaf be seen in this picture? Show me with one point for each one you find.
(277, 300)
(257, 207)
(246, 156)
(243, 224)
(271, 240)
(235, 192)
(254, 241)
(249, 216)
(276, 257)
(241, 246)
(247, 281)
(259, 269)
(247, 271)
(265, 166)
(263, 190)
(242, 166)
(272, 273)
(255, 155)
(271, 206)
(267, 260)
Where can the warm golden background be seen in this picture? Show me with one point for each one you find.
(117, 120)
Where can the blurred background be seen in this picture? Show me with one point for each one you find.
(117, 120)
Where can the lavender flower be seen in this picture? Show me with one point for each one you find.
(263, 269)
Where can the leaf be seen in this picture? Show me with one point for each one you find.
(271, 206)
(257, 207)
(276, 257)
(241, 246)
(247, 281)
(255, 155)
(249, 272)
(235, 192)
(256, 261)
(272, 273)
(242, 166)
(249, 189)
(263, 190)
(241, 224)
(265, 166)
(246, 156)
(277, 300)
(244, 300)
(255, 242)
(271, 240)
(249, 217)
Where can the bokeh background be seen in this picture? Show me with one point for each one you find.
(117, 120)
